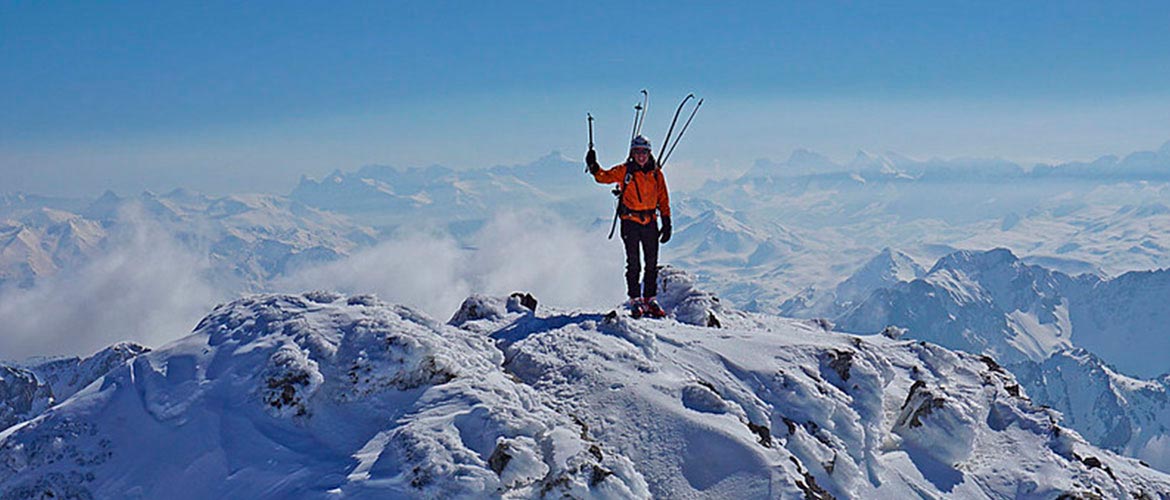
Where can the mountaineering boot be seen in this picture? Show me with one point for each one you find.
(636, 306)
(651, 308)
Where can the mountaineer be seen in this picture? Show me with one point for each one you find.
(642, 195)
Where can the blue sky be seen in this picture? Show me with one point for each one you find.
(249, 96)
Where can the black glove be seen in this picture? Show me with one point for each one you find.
(591, 161)
(664, 233)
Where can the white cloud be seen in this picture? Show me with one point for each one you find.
(146, 288)
(421, 270)
(527, 251)
(1156, 452)
(542, 254)
(150, 288)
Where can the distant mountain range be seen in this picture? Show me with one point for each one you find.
(758, 239)
(992, 302)
(249, 239)
(893, 167)
(381, 195)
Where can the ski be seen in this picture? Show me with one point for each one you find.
(681, 132)
(673, 122)
(640, 114)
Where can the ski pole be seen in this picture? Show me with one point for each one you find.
(681, 132)
(589, 116)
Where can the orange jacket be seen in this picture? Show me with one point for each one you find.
(645, 192)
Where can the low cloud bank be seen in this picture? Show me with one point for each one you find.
(149, 287)
(146, 287)
(535, 252)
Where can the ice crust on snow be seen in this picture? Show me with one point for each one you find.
(679, 294)
(323, 395)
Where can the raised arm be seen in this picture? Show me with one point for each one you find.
(610, 176)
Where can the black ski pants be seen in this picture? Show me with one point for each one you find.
(644, 236)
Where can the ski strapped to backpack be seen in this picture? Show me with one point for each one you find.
(640, 114)
(681, 131)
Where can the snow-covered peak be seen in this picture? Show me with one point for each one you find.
(974, 262)
(887, 268)
(717, 231)
(981, 302)
(723, 220)
(863, 161)
(45, 217)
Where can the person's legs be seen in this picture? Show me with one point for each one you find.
(631, 237)
(650, 249)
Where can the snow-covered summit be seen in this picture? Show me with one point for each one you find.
(888, 267)
(322, 395)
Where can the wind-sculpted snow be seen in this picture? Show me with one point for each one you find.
(690, 304)
(312, 396)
